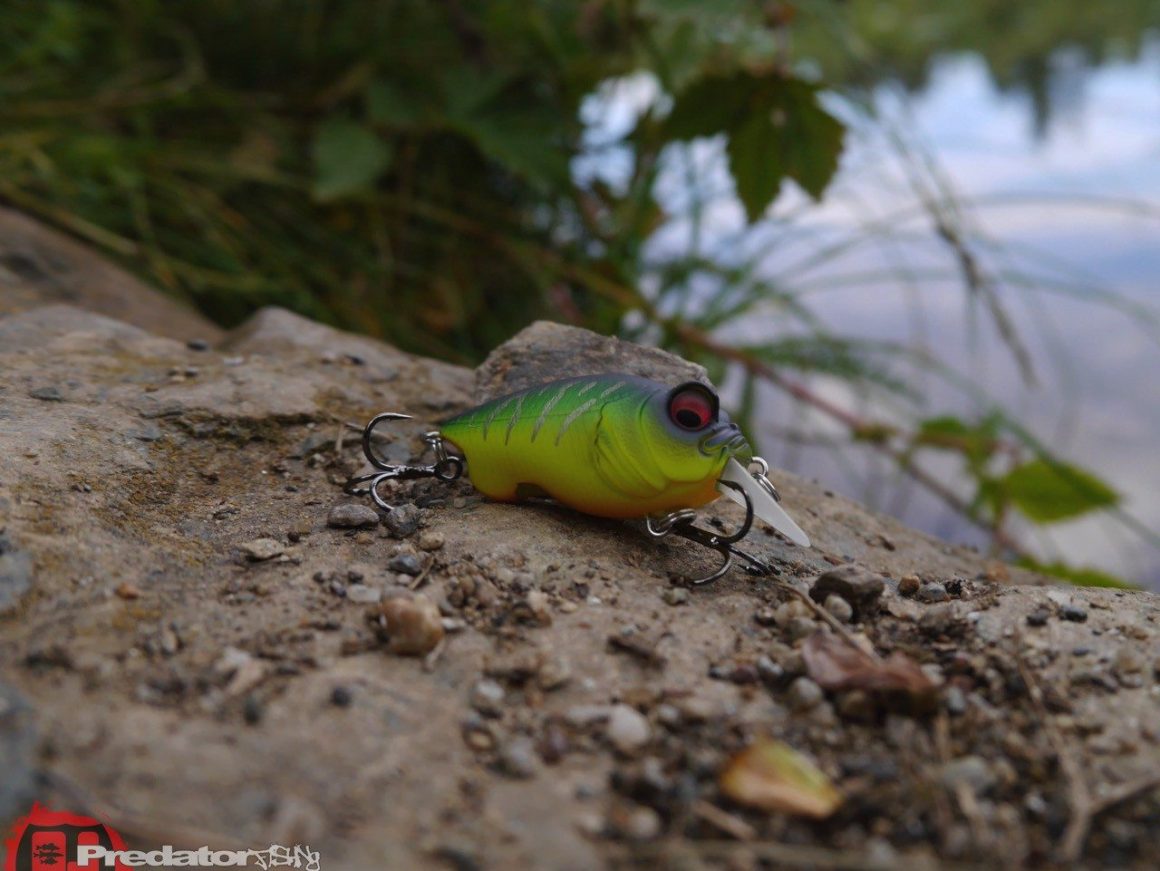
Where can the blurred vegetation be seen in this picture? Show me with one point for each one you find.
(415, 171)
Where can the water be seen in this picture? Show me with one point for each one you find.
(1077, 206)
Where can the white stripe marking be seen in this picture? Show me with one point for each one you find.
(548, 408)
(571, 418)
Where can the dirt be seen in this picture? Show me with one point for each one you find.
(190, 652)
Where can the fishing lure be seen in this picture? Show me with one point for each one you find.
(608, 445)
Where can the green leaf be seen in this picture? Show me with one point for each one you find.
(1081, 577)
(1047, 492)
(777, 129)
(712, 105)
(755, 164)
(348, 159)
(390, 104)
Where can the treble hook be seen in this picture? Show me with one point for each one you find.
(446, 467)
(681, 523)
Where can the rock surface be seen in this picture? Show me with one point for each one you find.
(241, 701)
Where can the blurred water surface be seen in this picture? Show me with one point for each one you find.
(1071, 205)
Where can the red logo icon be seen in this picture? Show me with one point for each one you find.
(47, 841)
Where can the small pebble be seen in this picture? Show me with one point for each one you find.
(641, 823)
(261, 549)
(627, 729)
(954, 701)
(487, 697)
(839, 608)
(765, 617)
(1128, 660)
(972, 771)
(414, 625)
(859, 586)
(430, 540)
(801, 627)
(908, 585)
(518, 758)
(554, 674)
(128, 591)
(46, 394)
(932, 592)
(769, 671)
(675, 596)
(197, 345)
(361, 594)
(804, 694)
(403, 520)
(1073, 613)
(581, 716)
(351, 515)
(1038, 617)
(341, 697)
(856, 705)
(252, 710)
(406, 564)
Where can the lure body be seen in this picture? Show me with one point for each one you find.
(608, 445)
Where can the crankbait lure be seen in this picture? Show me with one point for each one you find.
(609, 445)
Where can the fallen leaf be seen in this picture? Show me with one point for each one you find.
(772, 776)
(834, 664)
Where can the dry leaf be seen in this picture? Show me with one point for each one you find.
(833, 664)
(773, 776)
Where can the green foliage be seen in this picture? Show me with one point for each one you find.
(348, 159)
(1048, 492)
(1082, 577)
(776, 129)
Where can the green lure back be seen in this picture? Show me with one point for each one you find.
(609, 445)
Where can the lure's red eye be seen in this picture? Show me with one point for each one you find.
(691, 409)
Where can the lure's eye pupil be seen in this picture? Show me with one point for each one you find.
(691, 410)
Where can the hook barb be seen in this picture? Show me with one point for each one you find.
(446, 467)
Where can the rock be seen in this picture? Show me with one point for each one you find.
(18, 740)
(801, 627)
(414, 625)
(431, 540)
(547, 347)
(804, 694)
(583, 716)
(361, 594)
(628, 730)
(403, 520)
(554, 674)
(142, 478)
(637, 823)
(970, 771)
(341, 697)
(856, 705)
(932, 592)
(487, 697)
(1073, 613)
(675, 596)
(1038, 617)
(405, 564)
(839, 608)
(908, 585)
(40, 266)
(261, 549)
(860, 587)
(518, 758)
(955, 701)
(15, 574)
(352, 515)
